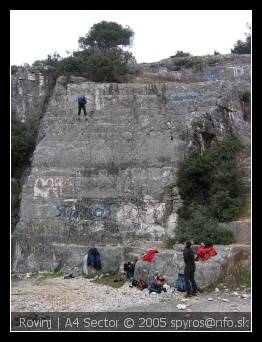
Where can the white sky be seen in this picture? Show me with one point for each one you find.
(158, 33)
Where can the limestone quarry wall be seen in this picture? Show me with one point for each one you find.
(112, 179)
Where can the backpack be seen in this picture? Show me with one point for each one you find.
(82, 100)
(180, 283)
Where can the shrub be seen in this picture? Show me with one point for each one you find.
(108, 65)
(242, 47)
(197, 64)
(245, 96)
(22, 146)
(14, 69)
(212, 192)
(181, 54)
(15, 201)
(196, 223)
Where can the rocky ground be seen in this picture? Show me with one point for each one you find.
(37, 293)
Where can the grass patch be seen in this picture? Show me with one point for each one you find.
(49, 275)
(211, 288)
(239, 277)
(108, 280)
(87, 276)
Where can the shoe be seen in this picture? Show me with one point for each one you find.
(194, 294)
(188, 295)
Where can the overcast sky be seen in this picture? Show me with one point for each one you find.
(158, 33)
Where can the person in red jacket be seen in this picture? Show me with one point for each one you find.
(210, 249)
(150, 255)
(202, 252)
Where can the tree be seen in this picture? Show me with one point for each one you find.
(180, 53)
(106, 35)
(242, 47)
(108, 65)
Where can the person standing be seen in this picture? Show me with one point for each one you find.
(189, 270)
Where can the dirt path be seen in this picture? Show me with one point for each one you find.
(83, 295)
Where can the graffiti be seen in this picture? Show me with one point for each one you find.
(46, 230)
(187, 98)
(74, 211)
(162, 70)
(239, 70)
(213, 74)
(238, 115)
(44, 186)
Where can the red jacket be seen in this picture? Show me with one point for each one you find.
(150, 255)
(202, 253)
(211, 251)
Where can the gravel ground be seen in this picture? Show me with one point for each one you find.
(83, 295)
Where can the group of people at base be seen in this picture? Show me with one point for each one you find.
(184, 283)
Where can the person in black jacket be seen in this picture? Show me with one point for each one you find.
(189, 270)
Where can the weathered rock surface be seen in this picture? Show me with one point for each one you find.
(30, 92)
(112, 179)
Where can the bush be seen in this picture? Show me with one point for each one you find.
(181, 54)
(212, 192)
(14, 69)
(108, 65)
(199, 225)
(15, 201)
(243, 47)
(22, 146)
(245, 96)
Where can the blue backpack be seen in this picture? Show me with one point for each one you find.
(180, 283)
(82, 100)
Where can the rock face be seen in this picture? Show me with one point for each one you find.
(169, 263)
(30, 91)
(111, 180)
(241, 230)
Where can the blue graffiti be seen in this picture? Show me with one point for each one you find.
(213, 74)
(191, 98)
(72, 212)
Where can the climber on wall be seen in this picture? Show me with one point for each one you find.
(82, 105)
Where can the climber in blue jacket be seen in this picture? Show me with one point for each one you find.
(82, 105)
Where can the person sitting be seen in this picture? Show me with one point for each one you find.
(157, 285)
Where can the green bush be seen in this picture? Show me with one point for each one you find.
(108, 65)
(212, 192)
(181, 54)
(198, 225)
(14, 69)
(15, 201)
(22, 146)
(243, 47)
(245, 96)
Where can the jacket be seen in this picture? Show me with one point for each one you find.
(189, 259)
